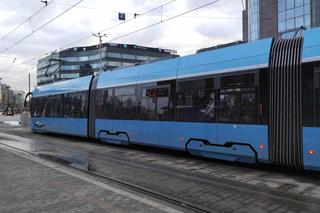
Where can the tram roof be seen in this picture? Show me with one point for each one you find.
(73, 85)
(245, 56)
(311, 45)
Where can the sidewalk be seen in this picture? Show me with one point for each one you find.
(30, 186)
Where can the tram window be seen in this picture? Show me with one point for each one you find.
(104, 105)
(80, 104)
(196, 106)
(55, 106)
(37, 106)
(63, 105)
(74, 105)
(155, 104)
(124, 101)
(308, 90)
(34, 106)
(44, 103)
(196, 84)
(238, 80)
(238, 105)
(317, 94)
(264, 97)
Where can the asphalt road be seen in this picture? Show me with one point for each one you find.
(211, 185)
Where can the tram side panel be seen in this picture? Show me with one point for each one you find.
(61, 107)
(311, 114)
(311, 99)
(60, 113)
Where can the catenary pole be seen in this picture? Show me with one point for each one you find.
(100, 46)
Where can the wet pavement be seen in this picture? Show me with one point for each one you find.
(30, 185)
(214, 186)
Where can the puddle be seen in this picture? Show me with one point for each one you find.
(68, 161)
(12, 123)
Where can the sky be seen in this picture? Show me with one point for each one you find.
(215, 24)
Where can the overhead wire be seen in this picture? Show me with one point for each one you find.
(42, 26)
(105, 29)
(164, 20)
(25, 21)
(131, 13)
(6, 71)
(160, 22)
(117, 25)
(86, 7)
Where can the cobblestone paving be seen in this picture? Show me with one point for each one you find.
(27, 186)
(213, 185)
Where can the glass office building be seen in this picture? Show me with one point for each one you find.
(253, 19)
(293, 14)
(275, 18)
(81, 61)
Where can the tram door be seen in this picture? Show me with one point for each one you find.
(155, 106)
(285, 103)
(92, 113)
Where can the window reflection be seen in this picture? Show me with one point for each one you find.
(292, 14)
(317, 93)
(155, 103)
(73, 105)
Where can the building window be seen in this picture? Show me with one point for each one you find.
(281, 16)
(70, 67)
(153, 58)
(129, 56)
(114, 63)
(281, 5)
(299, 21)
(143, 58)
(70, 59)
(126, 64)
(253, 19)
(292, 14)
(97, 65)
(70, 75)
(114, 55)
(94, 57)
(298, 3)
(289, 4)
(84, 58)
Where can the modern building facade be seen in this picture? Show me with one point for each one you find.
(275, 18)
(10, 98)
(81, 61)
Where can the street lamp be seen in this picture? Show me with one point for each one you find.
(100, 45)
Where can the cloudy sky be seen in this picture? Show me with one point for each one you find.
(215, 24)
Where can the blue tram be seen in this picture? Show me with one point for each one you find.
(253, 102)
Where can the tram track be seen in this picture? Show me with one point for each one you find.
(105, 161)
(211, 181)
(133, 187)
